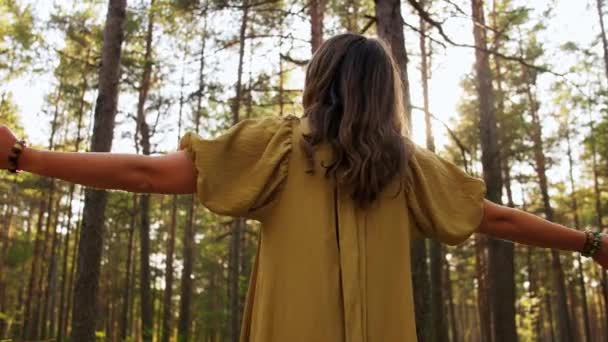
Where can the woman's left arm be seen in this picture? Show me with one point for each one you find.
(173, 173)
(521, 227)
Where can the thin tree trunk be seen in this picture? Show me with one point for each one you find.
(439, 326)
(34, 329)
(577, 225)
(66, 243)
(127, 288)
(183, 326)
(91, 234)
(500, 258)
(49, 293)
(147, 308)
(25, 333)
(73, 267)
(597, 194)
(64, 263)
(600, 12)
(32, 319)
(5, 235)
(447, 283)
(483, 298)
(565, 331)
(237, 226)
(133, 326)
(167, 317)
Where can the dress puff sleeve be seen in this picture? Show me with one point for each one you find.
(445, 202)
(241, 171)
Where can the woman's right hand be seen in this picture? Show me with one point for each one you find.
(7, 140)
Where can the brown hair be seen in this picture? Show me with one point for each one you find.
(353, 101)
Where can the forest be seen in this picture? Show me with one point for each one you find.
(514, 92)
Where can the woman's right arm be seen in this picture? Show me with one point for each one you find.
(521, 227)
(173, 173)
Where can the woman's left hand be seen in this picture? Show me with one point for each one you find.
(7, 140)
(602, 256)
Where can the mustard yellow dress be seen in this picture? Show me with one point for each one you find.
(326, 271)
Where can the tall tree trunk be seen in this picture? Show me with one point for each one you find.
(504, 144)
(59, 299)
(33, 315)
(500, 254)
(40, 290)
(72, 275)
(134, 328)
(452, 308)
(4, 248)
(46, 320)
(167, 317)
(389, 24)
(47, 307)
(127, 288)
(600, 11)
(577, 225)
(238, 224)
(183, 327)
(147, 308)
(31, 288)
(483, 288)
(63, 308)
(91, 235)
(597, 194)
(317, 10)
(565, 331)
(439, 326)
(598, 206)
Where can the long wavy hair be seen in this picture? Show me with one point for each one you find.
(353, 101)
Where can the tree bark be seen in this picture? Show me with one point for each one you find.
(317, 10)
(127, 288)
(500, 255)
(237, 226)
(91, 234)
(565, 330)
(31, 288)
(147, 308)
(47, 307)
(66, 241)
(577, 225)
(600, 11)
(597, 195)
(439, 328)
(167, 318)
(389, 24)
(183, 327)
(4, 248)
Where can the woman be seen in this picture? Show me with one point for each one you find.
(340, 194)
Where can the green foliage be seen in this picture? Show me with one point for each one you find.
(17, 38)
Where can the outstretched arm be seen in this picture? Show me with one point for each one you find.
(518, 226)
(172, 173)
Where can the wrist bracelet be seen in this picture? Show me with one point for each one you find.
(593, 243)
(13, 157)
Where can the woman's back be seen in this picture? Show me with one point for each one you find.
(326, 269)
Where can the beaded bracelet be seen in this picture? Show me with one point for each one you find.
(13, 157)
(593, 243)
